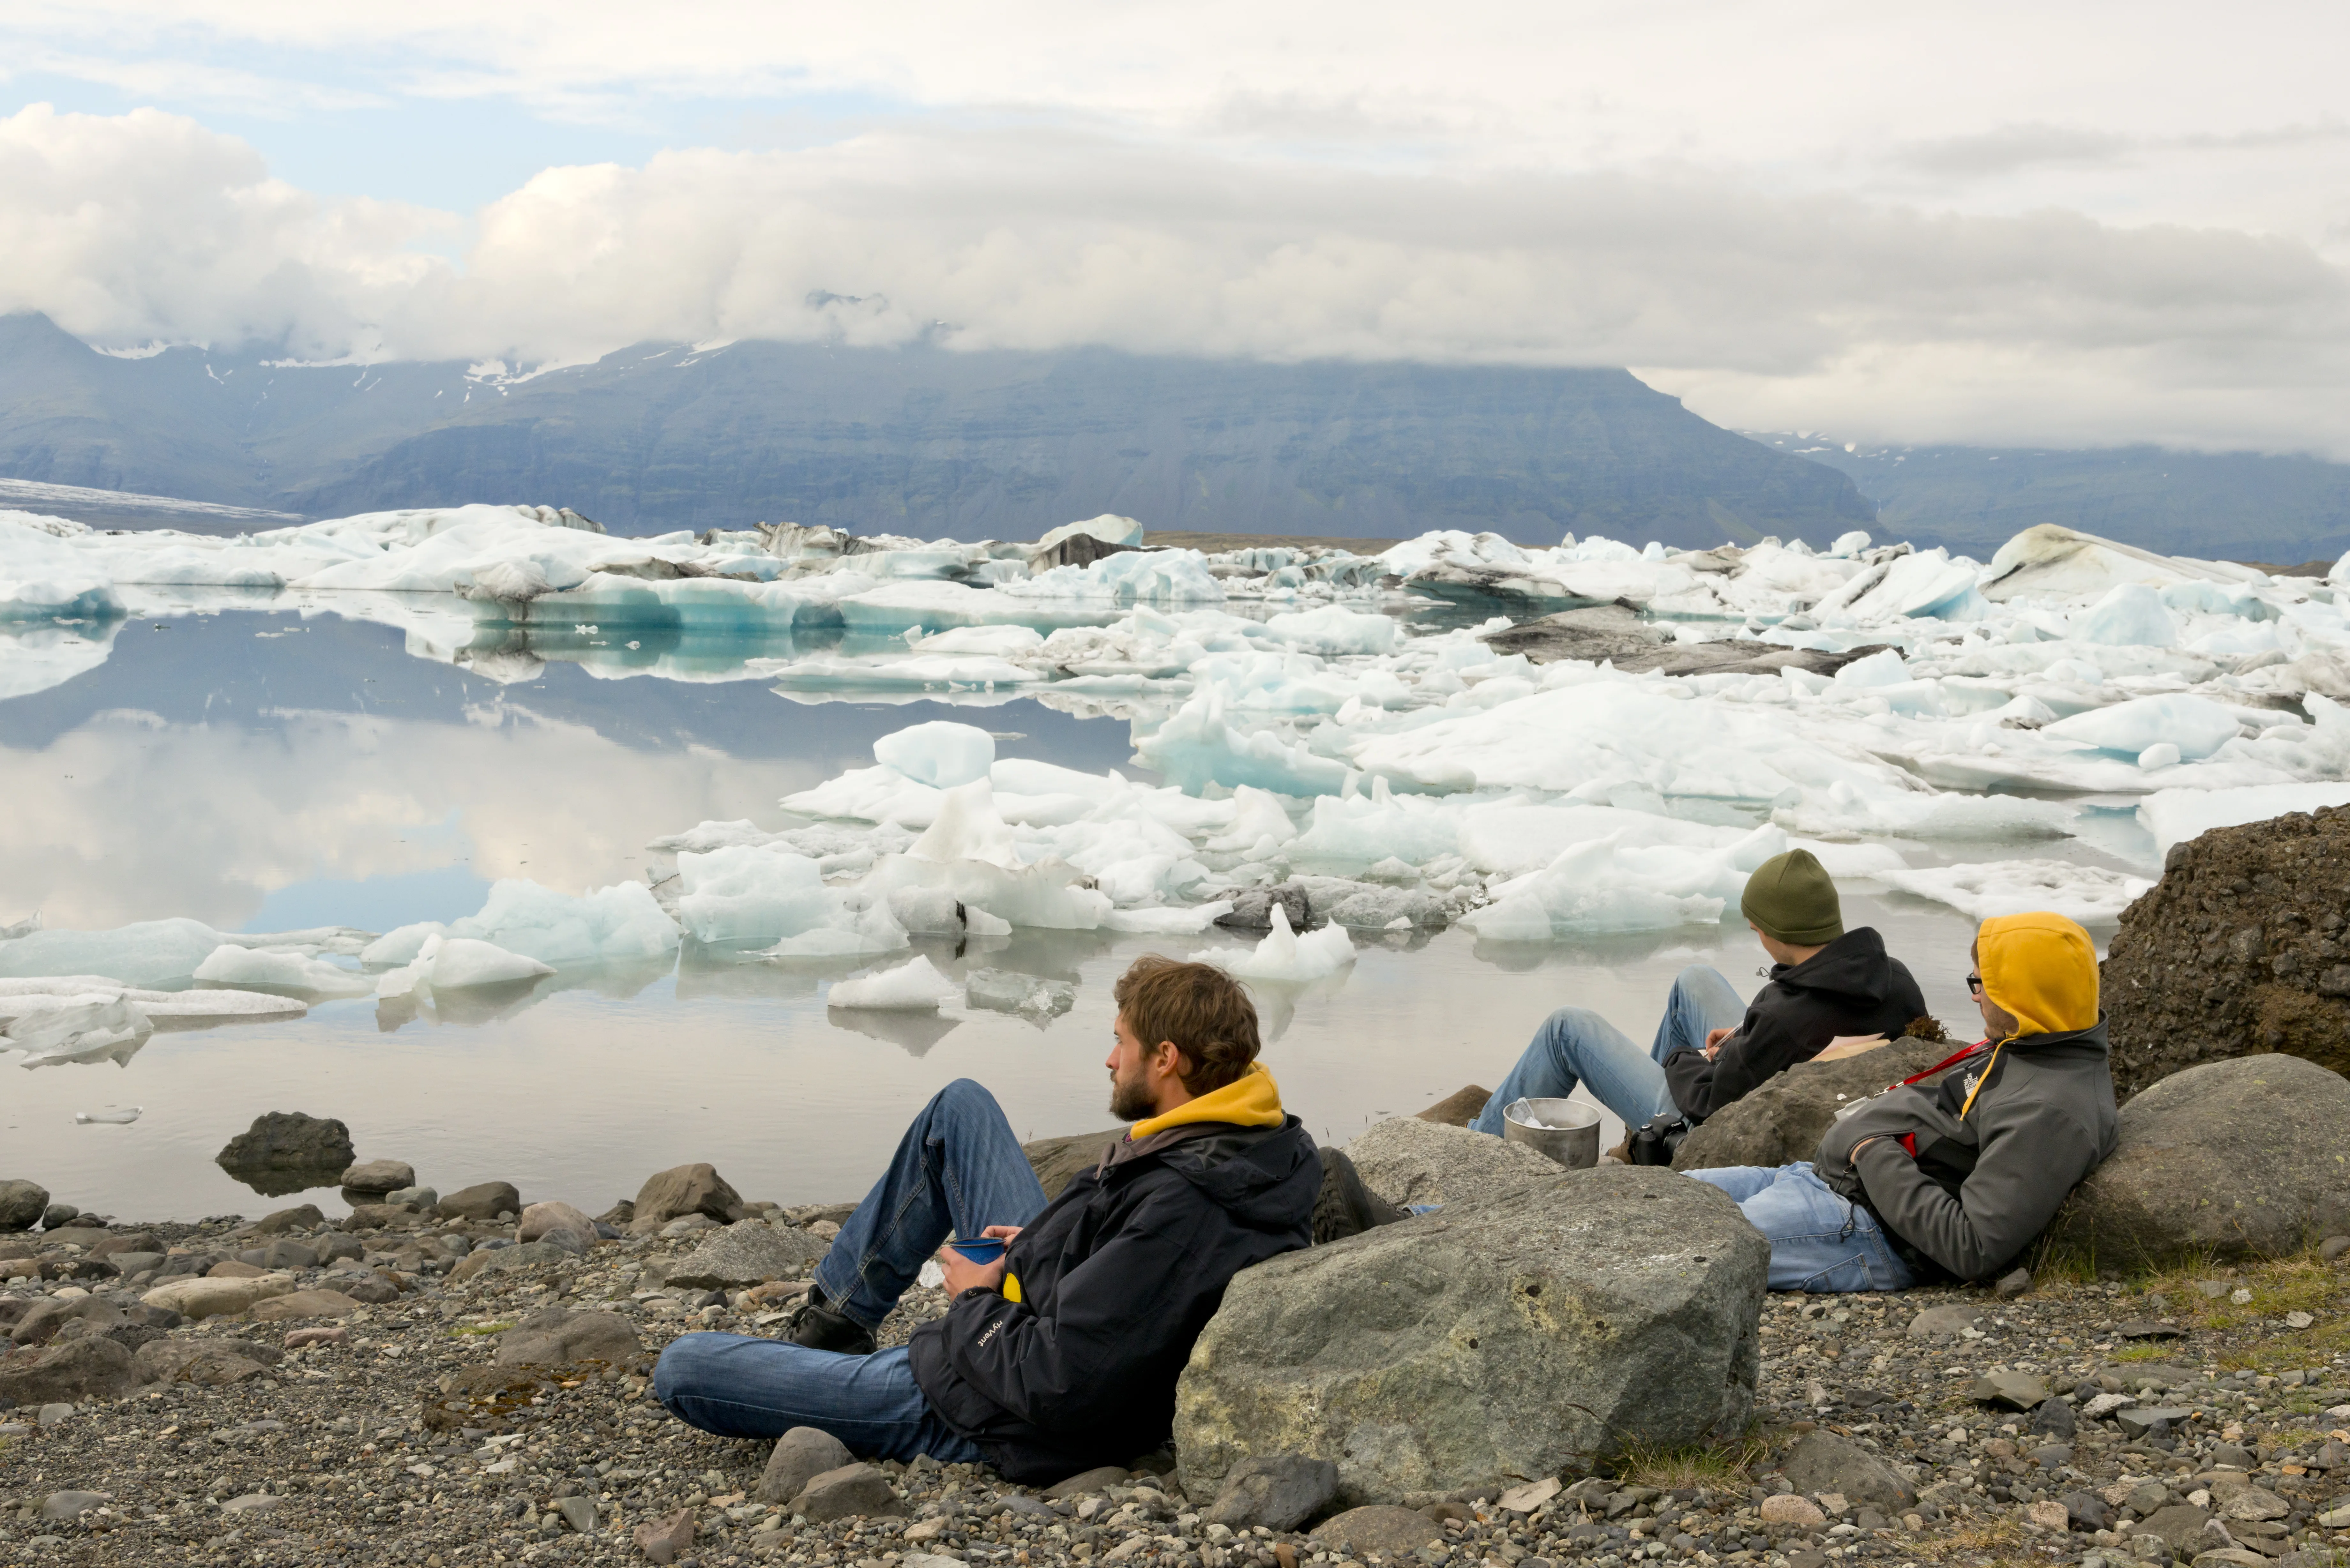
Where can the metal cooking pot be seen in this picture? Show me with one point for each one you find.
(1565, 1131)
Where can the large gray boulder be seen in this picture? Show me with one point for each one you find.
(2238, 1158)
(1407, 1160)
(1057, 1159)
(91, 1369)
(685, 1189)
(1541, 1328)
(748, 1252)
(289, 1142)
(555, 1337)
(21, 1204)
(1784, 1117)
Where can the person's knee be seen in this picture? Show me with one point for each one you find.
(1570, 1024)
(681, 1369)
(965, 1095)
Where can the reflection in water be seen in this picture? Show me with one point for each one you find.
(915, 1032)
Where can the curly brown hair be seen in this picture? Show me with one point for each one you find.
(1199, 1008)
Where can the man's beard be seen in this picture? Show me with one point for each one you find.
(1129, 1098)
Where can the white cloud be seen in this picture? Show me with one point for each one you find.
(1767, 302)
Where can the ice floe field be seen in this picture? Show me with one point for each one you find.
(516, 844)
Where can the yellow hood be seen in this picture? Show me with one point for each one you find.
(2042, 967)
(1251, 1100)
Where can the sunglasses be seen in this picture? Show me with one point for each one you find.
(1974, 985)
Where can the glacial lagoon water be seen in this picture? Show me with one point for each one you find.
(262, 772)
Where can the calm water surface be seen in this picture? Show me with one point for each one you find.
(260, 772)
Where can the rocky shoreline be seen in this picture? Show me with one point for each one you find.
(421, 1385)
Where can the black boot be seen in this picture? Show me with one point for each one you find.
(1344, 1207)
(820, 1326)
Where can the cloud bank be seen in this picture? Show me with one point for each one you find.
(1767, 306)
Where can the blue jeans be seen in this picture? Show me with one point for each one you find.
(1819, 1242)
(958, 1170)
(1575, 1046)
(743, 1387)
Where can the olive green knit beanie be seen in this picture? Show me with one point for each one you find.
(1790, 896)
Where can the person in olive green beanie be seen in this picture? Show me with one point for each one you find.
(1710, 1048)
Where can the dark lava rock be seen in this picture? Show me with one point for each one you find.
(2239, 949)
(285, 1147)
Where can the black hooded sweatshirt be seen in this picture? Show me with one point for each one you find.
(1117, 1276)
(1850, 987)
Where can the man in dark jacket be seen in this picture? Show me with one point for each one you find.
(1826, 982)
(1955, 1179)
(1061, 1355)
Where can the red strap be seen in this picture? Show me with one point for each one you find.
(1909, 1143)
(1946, 1061)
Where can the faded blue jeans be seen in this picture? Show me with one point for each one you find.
(1819, 1242)
(958, 1170)
(1575, 1046)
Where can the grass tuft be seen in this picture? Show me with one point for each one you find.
(1705, 1466)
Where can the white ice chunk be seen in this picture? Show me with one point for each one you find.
(287, 971)
(980, 923)
(1850, 544)
(1851, 860)
(621, 921)
(462, 962)
(1110, 528)
(1606, 885)
(940, 753)
(2131, 615)
(1335, 629)
(146, 953)
(2161, 754)
(968, 829)
(122, 1117)
(401, 944)
(742, 894)
(2176, 815)
(916, 986)
(2054, 560)
(110, 1030)
(1284, 955)
(1163, 923)
(2089, 894)
(2195, 725)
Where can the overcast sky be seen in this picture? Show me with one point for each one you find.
(2047, 224)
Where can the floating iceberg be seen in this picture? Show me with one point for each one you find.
(916, 986)
(1284, 956)
(283, 970)
(621, 921)
(2089, 894)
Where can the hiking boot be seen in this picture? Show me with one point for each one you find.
(1344, 1207)
(818, 1325)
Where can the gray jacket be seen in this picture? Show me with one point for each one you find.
(1970, 1195)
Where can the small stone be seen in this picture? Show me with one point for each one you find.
(303, 1217)
(800, 1456)
(1825, 1462)
(90, 1369)
(2048, 1515)
(1088, 1481)
(749, 1253)
(1279, 1491)
(1787, 1508)
(2333, 1247)
(303, 1303)
(57, 1216)
(53, 1415)
(2012, 1286)
(555, 1337)
(579, 1513)
(2298, 1320)
(1533, 1495)
(2254, 1503)
(252, 1502)
(2016, 1390)
(2055, 1418)
(540, 1218)
(302, 1338)
(61, 1506)
(416, 1198)
(2140, 1419)
(483, 1200)
(312, 1151)
(1943, 1323)
(378, 1176)
(1378, 1528)
(664, 1538)
(855, 1491)
(686, 1225)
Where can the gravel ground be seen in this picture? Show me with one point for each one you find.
(406, 1444)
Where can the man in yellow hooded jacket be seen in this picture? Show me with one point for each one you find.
(1954, 1179)
(1060, 1353)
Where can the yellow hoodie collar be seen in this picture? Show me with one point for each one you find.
(1251, 1100)
(2042, 967)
